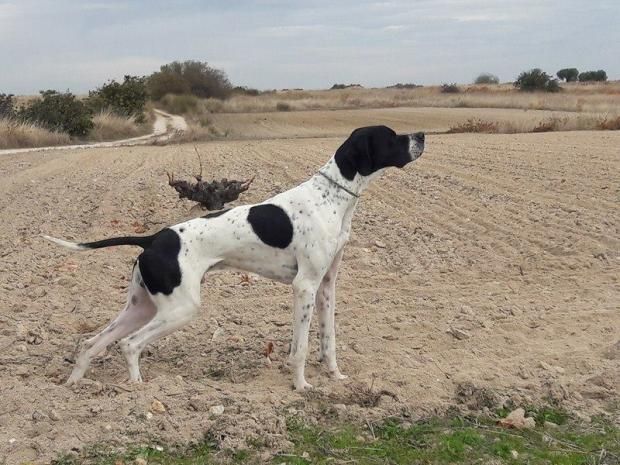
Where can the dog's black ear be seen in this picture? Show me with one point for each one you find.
(354, 156)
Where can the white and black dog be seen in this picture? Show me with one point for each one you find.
(296, 237)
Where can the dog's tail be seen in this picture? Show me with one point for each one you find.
(140, 241)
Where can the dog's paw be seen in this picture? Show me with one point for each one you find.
(303, 386)
(336, 375)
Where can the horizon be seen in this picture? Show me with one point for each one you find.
(272, 44)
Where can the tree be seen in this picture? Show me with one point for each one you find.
(536, 79)
(487, 78)
(568, 74)
(599, 76)
(7, 106)
(189, 77)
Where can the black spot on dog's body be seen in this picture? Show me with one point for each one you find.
(216, 214)
(271, 224)
(134, 300)
(159, 263)
(181, 230)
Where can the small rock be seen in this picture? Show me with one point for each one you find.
(157, 407)
(217, 334)
(38, 416)
(217, 410)
(340, 407)
(514, 454)
(459, 333)
(140, 461)
(516, 419)
(550, 425)
(545, 366)
(560, 370)
(380, 244)
(54, 416)
(149, 415)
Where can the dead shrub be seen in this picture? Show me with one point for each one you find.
(475, 125)
(550, 124)
(609, 124)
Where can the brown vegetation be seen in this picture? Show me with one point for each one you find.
(577, 97)
(110, 126)
(16, 134)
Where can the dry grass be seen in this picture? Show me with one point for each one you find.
(15, 134)
(598, 98)
(553, 123)
(109, 126)
(610, 123)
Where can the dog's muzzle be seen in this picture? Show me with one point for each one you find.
(416, 145)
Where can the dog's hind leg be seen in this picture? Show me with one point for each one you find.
(168, 319)
(138, 311)
(326, 306)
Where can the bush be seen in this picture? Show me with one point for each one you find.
(283, 106)
(242, 90)
(598, 76)
(568, 74)
(124, 99)
(345, 86)
(58, 112)
(450, 89)
(404, 86)
(189, 77)
(536, 79)
(179, 104)
(487, 78)
(7, 106)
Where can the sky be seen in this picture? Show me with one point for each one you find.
(312, 44)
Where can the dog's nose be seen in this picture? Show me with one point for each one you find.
(419, 137)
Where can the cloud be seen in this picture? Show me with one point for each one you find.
(276, 43)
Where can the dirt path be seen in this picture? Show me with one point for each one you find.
(164, 126)
(511, 241)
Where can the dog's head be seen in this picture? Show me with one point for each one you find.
(370, 149)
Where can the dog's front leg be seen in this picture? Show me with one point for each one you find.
(326, 307)
(304, 290)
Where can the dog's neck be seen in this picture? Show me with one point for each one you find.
(348, 190)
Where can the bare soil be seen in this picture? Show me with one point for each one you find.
(485, 274)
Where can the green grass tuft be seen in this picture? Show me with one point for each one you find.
(469, 440)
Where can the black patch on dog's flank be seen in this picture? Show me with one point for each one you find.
(271, 224)
(370, 149)
(159, 264)
(216, 214)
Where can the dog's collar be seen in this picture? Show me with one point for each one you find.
(339, 185)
